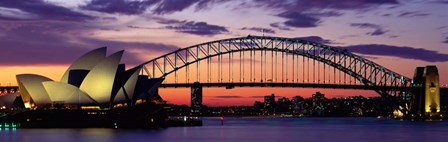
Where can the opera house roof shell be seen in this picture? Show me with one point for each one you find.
(93, 79)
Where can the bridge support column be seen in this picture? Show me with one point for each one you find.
(426, 96)
(196, 99)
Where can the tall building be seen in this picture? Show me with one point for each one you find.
(297, 105)
(196, 99)
(284, 105)
(269, 104)
(269, 101)
(319, 106)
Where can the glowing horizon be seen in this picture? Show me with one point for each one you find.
(45, 37)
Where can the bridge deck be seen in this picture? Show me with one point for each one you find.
(284, 85)
(281, 85)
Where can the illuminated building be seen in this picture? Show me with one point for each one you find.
(297, 105)
(196, 99)
(319, 104)
(269, 101)
(92, 81)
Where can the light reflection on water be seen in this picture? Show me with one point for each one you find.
(251, 129)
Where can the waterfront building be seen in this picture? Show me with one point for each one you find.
(94, 81)
(269, 101)
(319, 104)
(298, 105)
(196, 99)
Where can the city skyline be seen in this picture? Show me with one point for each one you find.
(56, 32)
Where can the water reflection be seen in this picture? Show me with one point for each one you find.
(251, 129)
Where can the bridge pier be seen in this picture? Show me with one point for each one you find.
(425, 103)
(196, 99)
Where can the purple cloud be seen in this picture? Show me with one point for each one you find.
(325, 14)
(413, 14)
(378, 30)
(139, 27)
(442, 1)
(264, 96)
(387, 50)
(125, 7)
(299, 20)
(195, 28)
(305, 5)
(258, 29)
(304, 13)
(446, 40)
(316, 39)
(398, 51)
(39, 9)
(189, 27)
(171, 6)
(160, 7)
(278, 26)
(303, 19)
(133, 50)
(50, 43)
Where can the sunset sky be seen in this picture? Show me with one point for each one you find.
(45, 36)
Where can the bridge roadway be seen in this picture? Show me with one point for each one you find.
(247, 84)
(284, 85)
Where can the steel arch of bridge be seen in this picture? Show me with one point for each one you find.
(363, 70)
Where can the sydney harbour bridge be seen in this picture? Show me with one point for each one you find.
(262, 61)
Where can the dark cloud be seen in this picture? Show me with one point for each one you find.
(387, 50)
(278, 26)
(307, 13)
(134, 51)
(256, 97)
(160, 7)
(398, 51)
(387, 15)
(378, 30)
(393, 36)
(303, 19)
(184, 26)
(413, 14)
(306, 5)
(325, 14)
(442, 1)
(40, 47)
(264, 96)
(110, 18)
(39, 9)
(51, 43)
(441, 27)
(227, 97)
(126, 7)
(196, 28)
(258, 29)
(139, 27)
(299, 20)
(171, 6)
(446, 40)
(316, 39)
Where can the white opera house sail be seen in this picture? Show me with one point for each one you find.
(92, 80)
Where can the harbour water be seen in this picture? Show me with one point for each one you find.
(251, 129)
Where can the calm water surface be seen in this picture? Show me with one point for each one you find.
(252, 129)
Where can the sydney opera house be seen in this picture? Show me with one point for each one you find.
(93, 84)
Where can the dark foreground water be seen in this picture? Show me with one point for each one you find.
(252, 129)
